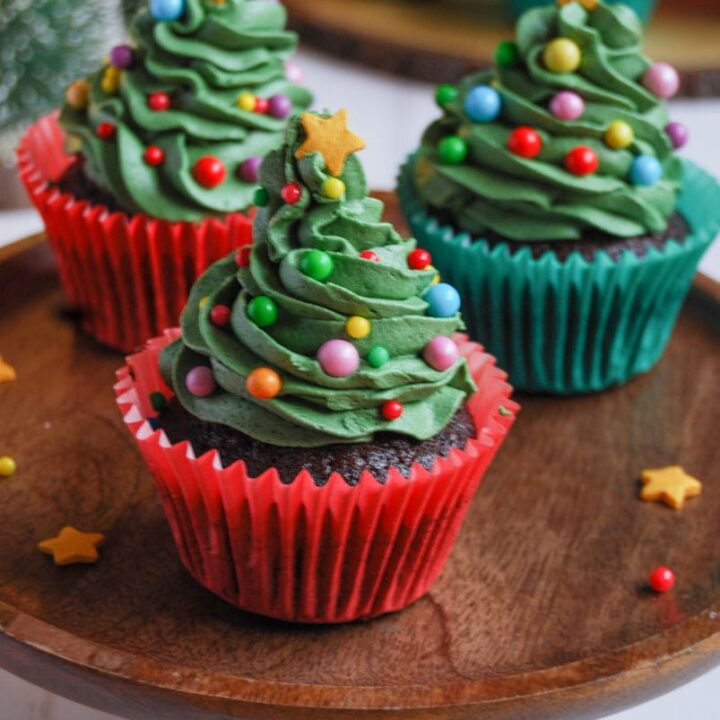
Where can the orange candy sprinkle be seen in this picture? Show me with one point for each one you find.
(263, 383)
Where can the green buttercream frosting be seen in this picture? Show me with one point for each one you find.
(204, 62)
(314, 408)
(538, 199)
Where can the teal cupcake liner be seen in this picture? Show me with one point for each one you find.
(643, 8)
(571, 326)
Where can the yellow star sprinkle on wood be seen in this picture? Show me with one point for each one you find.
(587, 4)
(672, 485)
(7, 372)
(331, 138)
(72, 546)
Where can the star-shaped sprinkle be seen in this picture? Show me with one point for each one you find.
(7, 372)
(672, 485)
(331, 138)
(587, 4)
(72, 546)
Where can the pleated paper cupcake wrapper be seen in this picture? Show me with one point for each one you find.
(573, 326)
(129, 277)
(307, 553)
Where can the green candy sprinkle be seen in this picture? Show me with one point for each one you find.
(263, 311)
(262, 198)
(317, 264)
(378, 356)
(452, 150)
(507, 54)
(158, 401)
(446, 94)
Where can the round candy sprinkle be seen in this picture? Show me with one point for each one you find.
(220, 315)
(200, 381)
(441, 353)
(582, 160)
(525, 142)
(247, 102)
(110, 81)
(280, 106)
(562, 55)
(263, 311)
(662, 579)
(291, 193)
(8, 466)
(263, 383)
(358, 327)
(333, 188)
(507, 54)
(443, 300)
(76, 96)
(105, 130)
(678, 134)
(378, 356)
(154, 155)
(294, 72)
(645, 171)
(209, 171)
(261, 197)
(262, 105)
(158, 101)
(662, 80)
(419, 259)
(167, 10)
(370, 255)
(445, 94)
(567, 105)
(203, 301)
(249, 169)
(338, 358)
(121, 57)
(392, 409)
(619, 135)
(483, 104)
(157, 400)
(317, 264)
(242, 256)
(452, 150)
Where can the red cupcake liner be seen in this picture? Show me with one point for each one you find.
(128, 276)
(304, 553)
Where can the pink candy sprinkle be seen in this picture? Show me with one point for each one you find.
(200, 381)
(441, 353)
(338, 358)
(567, 105)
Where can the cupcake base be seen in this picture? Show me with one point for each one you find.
(571, 325)
(306, 552)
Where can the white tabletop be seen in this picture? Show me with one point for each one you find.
(390, 114)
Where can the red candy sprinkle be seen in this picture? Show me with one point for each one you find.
(154, 155)
(524, 141)
(105, 130)
(582, 160)
(291, 193)
(262, 105)
(370, 255)
(392, 409)
(419, 259)
(220, 315)
(209, 171)
(242, 256)
(158, 101)
(662, 579)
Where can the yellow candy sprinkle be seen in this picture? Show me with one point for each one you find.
(358, 327)
(333, 188)
(203, 302)
(437, 277)
(110, 82)
(562, 55)
(7, 466)
(73, 144)
(619, 135)
(247, 102)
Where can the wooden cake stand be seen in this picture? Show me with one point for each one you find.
(442, 40)
(542, 611)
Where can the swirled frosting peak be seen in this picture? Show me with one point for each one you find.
(565, 134)
(332, 328)
(176, 124)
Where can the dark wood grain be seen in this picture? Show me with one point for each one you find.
(444, 40)
(542, 611)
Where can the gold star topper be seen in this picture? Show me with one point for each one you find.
(672, 485)
(587, 4)
(7, 372)
(72, 546)
(331, 138)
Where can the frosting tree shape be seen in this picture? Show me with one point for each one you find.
(331, 327)
(568, 132)
(176, 124)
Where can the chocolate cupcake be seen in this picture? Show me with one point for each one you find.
(323, 426)
(551, 195)
(148, 175)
